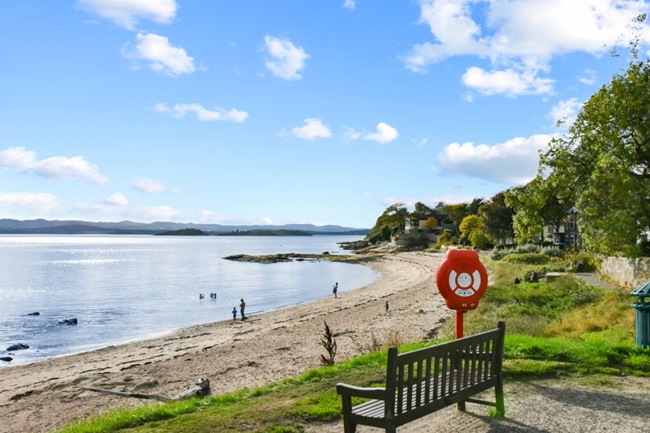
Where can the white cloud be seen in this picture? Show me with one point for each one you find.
(161, 55)
(565, 111)
(385, 134)
(126, 13)
(203, 114)
(312, 130)
(150, 186)
(31, 203)
(507, 82)
(512, 162)
(116, 199)
(287, 61)
(351, 134)
(349, 4)
(520, 37)
(22, 160)
(588, 77)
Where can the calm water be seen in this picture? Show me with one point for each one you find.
(122, 288)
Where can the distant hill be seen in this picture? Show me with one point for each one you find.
(41, 226)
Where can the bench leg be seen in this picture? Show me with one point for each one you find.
(498, 391)
(461, 406)
(348, 425)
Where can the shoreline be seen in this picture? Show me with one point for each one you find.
(269, 346)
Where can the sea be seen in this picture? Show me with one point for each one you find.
(122, 288)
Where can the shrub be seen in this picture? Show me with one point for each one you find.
(582, 262)
(528, 258)
(419, 243)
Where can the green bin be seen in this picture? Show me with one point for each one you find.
(642, 315)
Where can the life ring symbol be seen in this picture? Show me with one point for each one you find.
(464, 284)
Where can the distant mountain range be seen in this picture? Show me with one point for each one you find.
(41, 226)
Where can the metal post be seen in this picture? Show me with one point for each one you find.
(459, 323)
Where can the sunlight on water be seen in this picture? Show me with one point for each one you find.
(121, 288)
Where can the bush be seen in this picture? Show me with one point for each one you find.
(500, 252)
(419, 243)
(528, 258)
(582, 262)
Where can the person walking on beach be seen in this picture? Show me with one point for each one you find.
(335, 289)
(242, 305)
(234, 313)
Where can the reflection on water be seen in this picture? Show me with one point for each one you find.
(127, 287)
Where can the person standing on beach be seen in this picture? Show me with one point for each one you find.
(335, 289)
(387, 307)
(242, 305)
(234, 313)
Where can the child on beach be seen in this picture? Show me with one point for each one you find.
(234, 313)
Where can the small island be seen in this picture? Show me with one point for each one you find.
(281, 232)
(298, 257)
(183, 232)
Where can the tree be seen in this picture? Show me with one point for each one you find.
(497, 219)
(430, 224)
(422, 211)
(471, 230)
(457, 212)
(390, 222)
(542, 202)
(605, 158)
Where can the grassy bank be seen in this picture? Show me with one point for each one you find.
(558, 328)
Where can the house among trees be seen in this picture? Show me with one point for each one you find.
(566, 235)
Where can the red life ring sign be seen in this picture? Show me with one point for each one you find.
(462, 279)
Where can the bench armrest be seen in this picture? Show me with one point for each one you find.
(356, 391)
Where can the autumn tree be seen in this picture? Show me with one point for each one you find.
(430, 224)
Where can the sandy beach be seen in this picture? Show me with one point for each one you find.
(232, 354)
(43, 396)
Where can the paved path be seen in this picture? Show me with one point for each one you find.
(590, 404)
(591, 278)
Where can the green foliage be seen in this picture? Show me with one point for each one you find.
(479, 240)
(544, 201)
(446, 238)
(528, 258)
(497, 219)
(417, 243)
(605, 158)
(469, 225)
(582, 262)
(500, 253)
(390, 222)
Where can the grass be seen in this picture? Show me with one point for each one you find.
(556, 329)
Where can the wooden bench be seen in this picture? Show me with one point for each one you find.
(425, 380)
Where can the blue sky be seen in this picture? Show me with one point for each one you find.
(287, 111)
